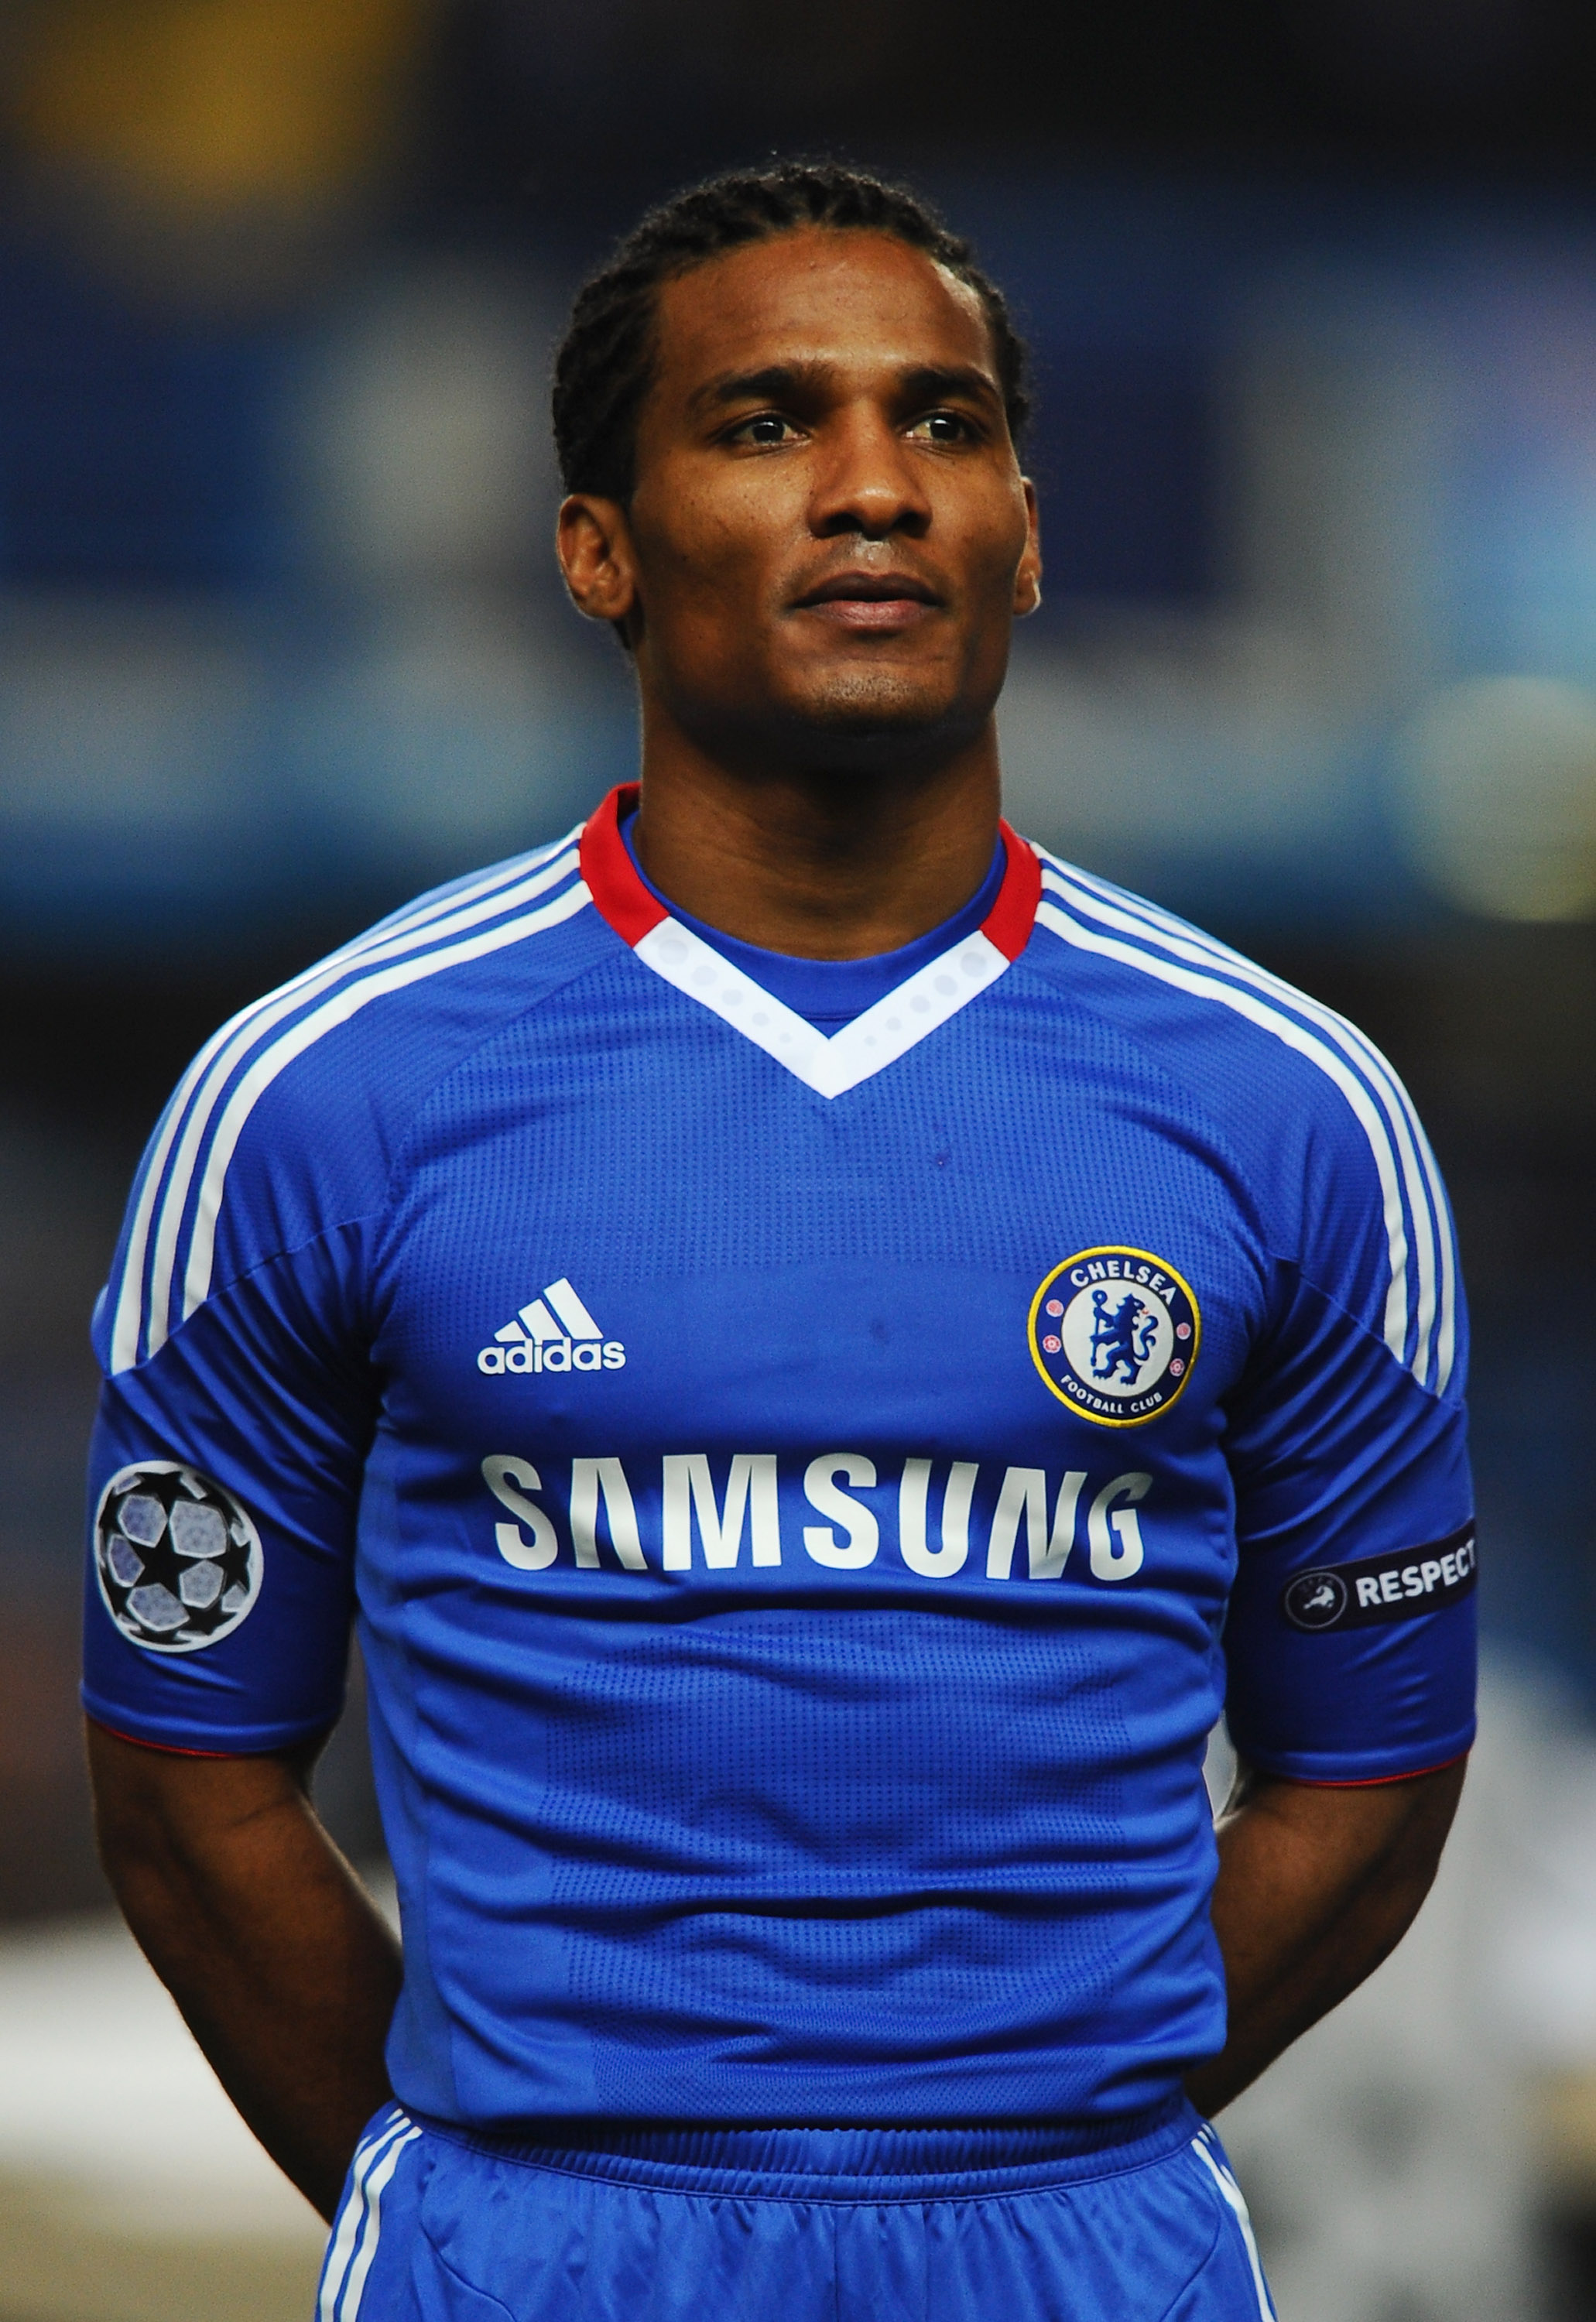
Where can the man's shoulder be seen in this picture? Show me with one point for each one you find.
(287, 1123)
(369, 1029)
(1318, 1134)
(1257, 1050)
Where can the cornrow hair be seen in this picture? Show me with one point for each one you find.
(604, 367)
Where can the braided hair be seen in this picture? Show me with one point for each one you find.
(604, 367)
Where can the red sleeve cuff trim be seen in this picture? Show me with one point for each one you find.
(172, 1748)
(1375, 1781)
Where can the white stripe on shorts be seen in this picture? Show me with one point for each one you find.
(1231, 2194)
(352, 2247)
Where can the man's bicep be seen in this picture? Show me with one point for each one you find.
(224, 1477)
(154, 1804)
(1351, 1633)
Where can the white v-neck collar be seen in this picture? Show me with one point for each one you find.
(898, 1022)
(884, 1032)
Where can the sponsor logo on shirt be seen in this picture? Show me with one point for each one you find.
(1383, 1587)
(926, 1515)
(554, 1332)
(178, 1559)
(1115, 1333)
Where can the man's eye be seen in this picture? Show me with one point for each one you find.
(943, 427)
(766, 427)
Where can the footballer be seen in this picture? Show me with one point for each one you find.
(820, 1350)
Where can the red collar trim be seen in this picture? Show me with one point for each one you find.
(632, 912)
(1007, 925)
(610, 873)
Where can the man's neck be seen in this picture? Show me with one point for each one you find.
(838, 867)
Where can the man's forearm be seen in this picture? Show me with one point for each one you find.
(1315, 1887)
(284, 1971)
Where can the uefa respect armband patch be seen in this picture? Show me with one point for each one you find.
(1383, 1587)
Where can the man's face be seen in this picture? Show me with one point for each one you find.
(830, 536)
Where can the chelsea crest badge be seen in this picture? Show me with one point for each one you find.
(1115, 1333)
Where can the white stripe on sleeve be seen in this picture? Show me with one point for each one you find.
(276, 1060)
(1435, 1252)
(1294, 1036)
(142, 1323)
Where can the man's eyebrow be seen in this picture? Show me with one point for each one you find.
(776, 382)
(782, 382)
(930, 382)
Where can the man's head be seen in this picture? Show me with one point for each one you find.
(787, 414)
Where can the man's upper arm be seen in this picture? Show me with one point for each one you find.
(1351, 1634)
(227, 1456)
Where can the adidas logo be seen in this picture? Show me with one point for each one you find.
(555, 1332)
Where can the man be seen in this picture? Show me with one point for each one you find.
(822, 1347)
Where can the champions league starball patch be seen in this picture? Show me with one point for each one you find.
(1115, 1333)
(178, 1560)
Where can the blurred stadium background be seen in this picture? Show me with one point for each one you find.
(1312, 284)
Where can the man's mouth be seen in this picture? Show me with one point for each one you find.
(871, 602)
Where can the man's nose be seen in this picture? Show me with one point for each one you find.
(868, 480)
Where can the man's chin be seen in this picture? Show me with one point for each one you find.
(869, 720)
(879, 715)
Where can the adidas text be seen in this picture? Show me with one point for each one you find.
(554, 1332)
(554, 1355)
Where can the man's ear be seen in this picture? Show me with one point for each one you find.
(1028, 580)
(593, 542)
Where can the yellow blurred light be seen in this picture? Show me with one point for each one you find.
(1496, 791)
(213, 105)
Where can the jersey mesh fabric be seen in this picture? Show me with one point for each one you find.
(741, 1758)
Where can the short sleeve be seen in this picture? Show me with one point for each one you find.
(225, 1481)
(1351, 1633)
(236, 1327)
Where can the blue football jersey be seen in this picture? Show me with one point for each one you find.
(805, 1495)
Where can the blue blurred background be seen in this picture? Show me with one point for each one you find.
(1312, 290)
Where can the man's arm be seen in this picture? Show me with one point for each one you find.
(284, 1971)
(1315, 1887)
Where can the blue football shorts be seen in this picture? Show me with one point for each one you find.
(792, 2224)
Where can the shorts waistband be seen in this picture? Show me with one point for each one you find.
(847, 2161)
